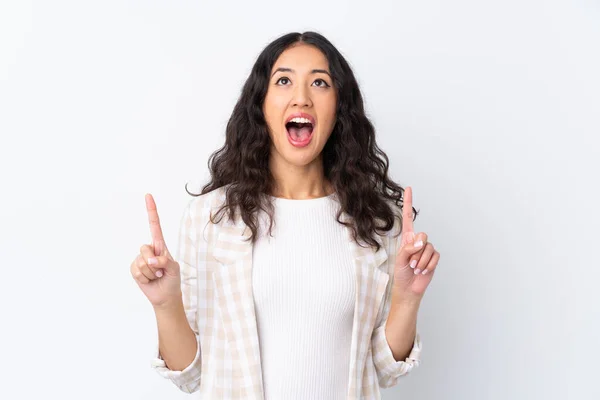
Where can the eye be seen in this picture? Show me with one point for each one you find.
(283, 78)
(322, 83)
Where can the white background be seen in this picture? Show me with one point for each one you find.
(489, 110)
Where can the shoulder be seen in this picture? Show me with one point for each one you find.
(206, 202)
(196, 219)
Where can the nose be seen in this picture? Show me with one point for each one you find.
(301, 97)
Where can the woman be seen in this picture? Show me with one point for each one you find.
(282, 301)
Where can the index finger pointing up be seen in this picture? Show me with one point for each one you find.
(158, 240)
(408, 233)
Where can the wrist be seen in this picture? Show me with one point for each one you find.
(406, 302)
(169, 306)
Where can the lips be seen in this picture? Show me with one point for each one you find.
(301, 115)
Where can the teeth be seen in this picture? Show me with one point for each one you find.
(300, 120)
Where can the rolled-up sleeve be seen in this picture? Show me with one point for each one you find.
(187, 380)
(388, 369)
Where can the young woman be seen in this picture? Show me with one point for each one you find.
(298, 272)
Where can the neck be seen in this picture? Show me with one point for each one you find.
(300, 182)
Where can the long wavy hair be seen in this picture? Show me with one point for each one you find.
(353, 163)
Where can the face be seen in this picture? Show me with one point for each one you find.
(300, 106)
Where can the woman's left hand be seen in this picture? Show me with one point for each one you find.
(414, 268)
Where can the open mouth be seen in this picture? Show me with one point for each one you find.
(299, 129)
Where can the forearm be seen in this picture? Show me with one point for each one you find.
(177, 341)
(401, 328)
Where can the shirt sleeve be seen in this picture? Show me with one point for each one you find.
(388, 369)
(187, 380)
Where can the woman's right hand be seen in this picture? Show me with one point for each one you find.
(159, 281)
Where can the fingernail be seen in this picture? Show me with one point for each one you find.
(417, 271)
(418, 243)
(152, 261)
(159, 273)
(413, 264)
(425, 271)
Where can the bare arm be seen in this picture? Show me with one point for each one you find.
(177, 342)
(401, 328)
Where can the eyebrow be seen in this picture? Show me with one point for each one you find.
(314, 71)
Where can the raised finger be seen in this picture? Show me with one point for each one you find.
(158, 241)
(408, 232)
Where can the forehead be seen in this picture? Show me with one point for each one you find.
(302, 57)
